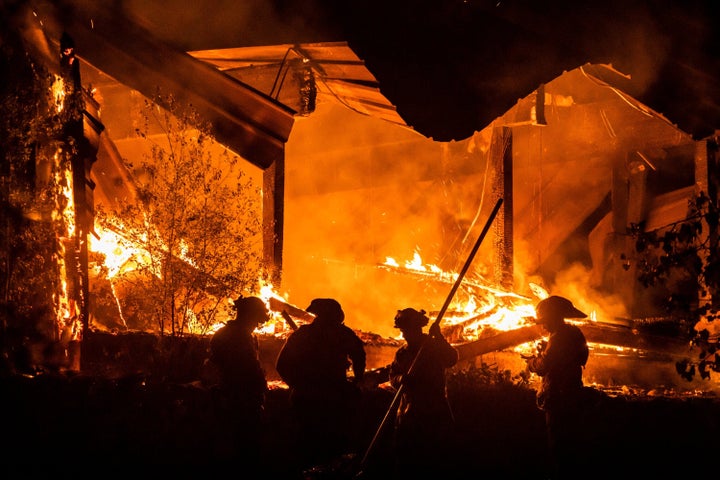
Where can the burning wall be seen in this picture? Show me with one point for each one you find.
(360, 190)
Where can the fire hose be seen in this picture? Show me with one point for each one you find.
(448, 300)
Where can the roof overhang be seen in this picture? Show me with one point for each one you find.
(340, 75)
(250, 123)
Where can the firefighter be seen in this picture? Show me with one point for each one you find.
(242, 385)
(560, 362)
(315, 362)
(424, 423)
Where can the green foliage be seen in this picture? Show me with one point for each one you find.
(682, 254)
(196, 225)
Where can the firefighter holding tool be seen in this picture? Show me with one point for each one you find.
(424, 421)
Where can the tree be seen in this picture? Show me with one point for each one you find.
(684, 260)
(195, 229)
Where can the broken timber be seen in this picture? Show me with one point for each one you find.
(594, 333)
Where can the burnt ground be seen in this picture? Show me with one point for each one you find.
(63, 423)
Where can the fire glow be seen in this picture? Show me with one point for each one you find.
(478, 311)
(481, 307)
(471, 315)
(58, 93)
(67, 316)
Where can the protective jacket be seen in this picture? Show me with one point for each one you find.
(424, 396)
(317, 356)
(234, 351)
(560, 365)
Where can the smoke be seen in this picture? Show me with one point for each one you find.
(192, 25)
(573, 284)
(358, 191)
(490, 52)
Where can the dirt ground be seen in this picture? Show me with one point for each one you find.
(65, 423)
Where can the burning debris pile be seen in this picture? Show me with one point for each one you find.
(627, 360)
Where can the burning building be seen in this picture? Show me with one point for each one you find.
(359, 206)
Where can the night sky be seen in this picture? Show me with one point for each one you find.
(452, 66)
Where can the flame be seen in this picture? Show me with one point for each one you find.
(183, 254)
(66, 211)
(67, 317)
(117, 257)
(122, 257)
(480, 307)
(539, 292)
(391, 262)
(277, 325)
(476, 310)
(58, 91)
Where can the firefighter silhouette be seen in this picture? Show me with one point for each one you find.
(424, 424)
(243, 385)
(314, 362)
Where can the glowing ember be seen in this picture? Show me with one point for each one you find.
(58, 91)
(117, 257)
(477, 308)
(67, 315)
(65, 212)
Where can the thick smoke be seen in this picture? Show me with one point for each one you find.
(360, 190)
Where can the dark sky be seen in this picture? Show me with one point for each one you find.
(453, 66)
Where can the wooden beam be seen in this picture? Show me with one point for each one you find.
(594, 333)
(250, 123)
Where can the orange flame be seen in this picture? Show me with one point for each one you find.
(67, 316)
(481, 308)
(58, 90)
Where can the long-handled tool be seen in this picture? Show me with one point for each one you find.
(448, 300)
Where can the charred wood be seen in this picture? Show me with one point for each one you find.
(499, 342)
(594, 333)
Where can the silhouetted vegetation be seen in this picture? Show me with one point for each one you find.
(683, 261)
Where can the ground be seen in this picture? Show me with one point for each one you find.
(59, 421)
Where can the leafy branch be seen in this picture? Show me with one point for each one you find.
(196, 225)
(684, 254)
